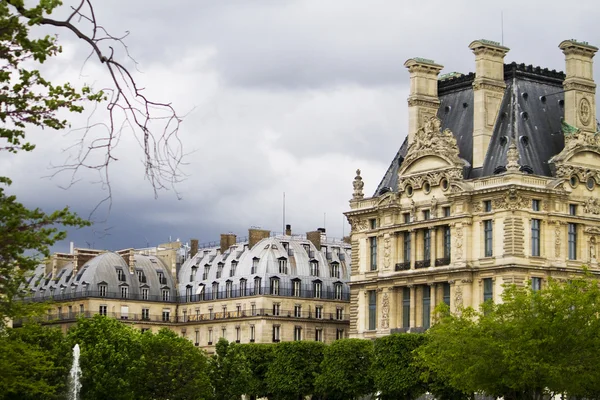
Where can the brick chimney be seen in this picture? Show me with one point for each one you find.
(488, 91)
(193, 247)
(580, 89)
(315, 238)
(256, 235)
(227, 240)
(423, 100)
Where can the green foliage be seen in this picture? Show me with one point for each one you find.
(395, 371)
(229, 371)
(258, 358)
(534, 343)
(34, 363)
(172, 368)
(346, 370)
(294, 368)
(111, 358)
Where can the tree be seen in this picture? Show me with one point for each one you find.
(258, 357)
(346, 370)
(295, 365)
(172, 368)
(111, 358)
(229, 372)
(395, 371)
(533, 344)
(29, 100)
(34, 363)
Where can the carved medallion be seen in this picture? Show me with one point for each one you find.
(585, 111)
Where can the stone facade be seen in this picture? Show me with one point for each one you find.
(444, 230)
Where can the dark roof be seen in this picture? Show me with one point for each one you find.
(530, 113)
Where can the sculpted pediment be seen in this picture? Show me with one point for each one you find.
(580, 156)
(431, 149)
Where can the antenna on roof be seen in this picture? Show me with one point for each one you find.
(283, 230)
(502, 26)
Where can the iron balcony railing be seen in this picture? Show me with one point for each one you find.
(442, 261)
(325, 294)
(403, 266)
(57, 297)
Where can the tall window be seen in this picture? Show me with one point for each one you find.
(166, 315)
(446, 287)
(296, 288)
(215, 290)
(426, 306)
(276, 332)
(406, 307)
(205, 274)
(317, 286)
(487, 205)
(314, 268)
(146, 314)
(193, 274)
(319, 312)
(257, 284)
(243, 287)
(426, 244)
(447, 243)
(535, 237)
(233, 268)
(536, 284)
(298, 311)
(335, 270)
(188, 294)
(254, 265)
(535, 205)
(120, 275)
(488, 289)
(319, 334)
(252, 333)
(165, 294)
(228, 289)
(339, 334)
(406, 247)
(572, 209)
(338, 291)
(282, 266)
(372, 310)
(488, 238)
(124, 292)
(373, 248)
(276, 308)
(339, 313)
(297, 333)
(219, 270)
(210, 335)
(145, 293)
(102, 290)
(572, 241)
(426, 215)
(274, 287)
(102, 310)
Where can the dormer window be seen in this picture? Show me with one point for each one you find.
(102, 289)
(233, 268)
(219, 270)
(338, 290)
(275, 286)
(317, 289)
(283, 266)
(124, 292)
(166, 294)
(215, 290)
(161, 278)
(120, 275)
(228, 289)
(205, 274)
(145, 293)
(140, 275)
(335, 270)
(193, 274)
(243, 287)
(314, 268)
(254, 265)
(257, 283)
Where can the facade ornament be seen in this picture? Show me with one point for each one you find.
(592, 206)
(358, 185)
(433, 178)
(385, 311)
(434, 206)
(357, 224)
(557, 239)
(476, 206)
(386, 252)
(511, 200)
(458, 297)
(458, 242)
(593, 249)
(512, 158)
(430, 139)
(413, 211)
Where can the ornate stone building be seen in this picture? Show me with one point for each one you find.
(496, 183)
(265, 288)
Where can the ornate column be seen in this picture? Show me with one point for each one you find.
(433, 253)
(413, 248)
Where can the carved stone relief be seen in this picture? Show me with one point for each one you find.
(459, 242)
(430, 139)
(557, 239)
(592, 206)
(387, 250)
(458, 297)
(358, 224)
(385, 311)
(511, 200)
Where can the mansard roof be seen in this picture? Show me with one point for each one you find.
(530, 114)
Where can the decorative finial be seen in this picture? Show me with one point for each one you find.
(358, 187)
(512, 158)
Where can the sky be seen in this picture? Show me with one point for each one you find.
(279, 96)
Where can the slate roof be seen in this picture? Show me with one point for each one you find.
(530, 113)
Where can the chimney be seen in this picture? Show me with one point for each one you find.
(488, 91)
(256, 235)
(580, 89)
(288, 230)
(227, 240)
(315, 238)
(193, 247)
(423, 101)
